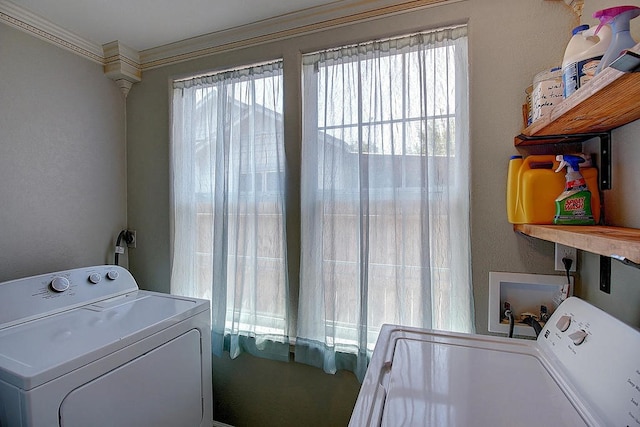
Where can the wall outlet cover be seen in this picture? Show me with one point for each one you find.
(563, 251)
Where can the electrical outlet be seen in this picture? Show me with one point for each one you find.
(563, 251)
(132, 239)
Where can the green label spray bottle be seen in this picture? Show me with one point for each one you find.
(573, 205)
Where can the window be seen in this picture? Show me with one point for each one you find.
(384, 192)
(228, 198)
(384, 199)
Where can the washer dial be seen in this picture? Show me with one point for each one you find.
(563, 323)
(60, 284)
(578, 336)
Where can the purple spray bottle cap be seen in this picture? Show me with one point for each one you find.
(607, 15)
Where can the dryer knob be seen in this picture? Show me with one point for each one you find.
(563, 323)
(60, 284)
(112, 275)
(95, 278)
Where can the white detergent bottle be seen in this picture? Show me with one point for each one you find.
(582, 56)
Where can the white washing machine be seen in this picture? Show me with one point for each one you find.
(583, 370)
(86, 347)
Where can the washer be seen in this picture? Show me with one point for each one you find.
(86, 347)
(583, 370)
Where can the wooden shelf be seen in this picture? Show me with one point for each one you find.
(611, 99)
(601, 240)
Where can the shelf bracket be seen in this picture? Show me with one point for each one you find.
(605, 274)
(605, 270)
(605, 160)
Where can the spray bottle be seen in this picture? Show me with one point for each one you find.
(618, 18)
(573, 205)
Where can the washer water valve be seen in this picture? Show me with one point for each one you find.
(526, 318)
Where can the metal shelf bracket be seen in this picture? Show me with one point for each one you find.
(605, 274)
(604, 158)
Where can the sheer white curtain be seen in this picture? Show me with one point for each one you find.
(385, 195)
(228, 234)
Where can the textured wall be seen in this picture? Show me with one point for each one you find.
(62, 159)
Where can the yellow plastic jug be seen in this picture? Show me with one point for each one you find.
(533, 185)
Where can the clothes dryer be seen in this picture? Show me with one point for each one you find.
(86, 347)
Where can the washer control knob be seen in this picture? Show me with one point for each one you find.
(563, 323)
(60, 284)
(578, 336)
(112, 274)
(95, 278)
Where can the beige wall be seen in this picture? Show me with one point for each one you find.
(62, 159)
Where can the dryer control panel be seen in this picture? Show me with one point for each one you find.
(39, 296)
(599, 355)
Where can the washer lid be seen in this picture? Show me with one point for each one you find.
(431, 378)
(38, 351)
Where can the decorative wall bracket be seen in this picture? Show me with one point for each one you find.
(122, 64)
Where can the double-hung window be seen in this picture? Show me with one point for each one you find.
(384, 197)
(228, 175)
(385, 193)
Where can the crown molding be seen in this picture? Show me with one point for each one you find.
(120, 63)
(306, 21)
(20, 18)
(123, 63)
